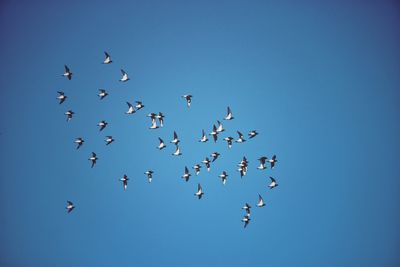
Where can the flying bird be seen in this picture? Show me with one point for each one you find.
(109, 139)
(107, 59)
(124, 181)
(214, 133)
(223, 176)
(153, 117)
(177, 151)
(188, 99)
(124, 77)
(70, 206)
(67, 73)
(79, 141)
(260, 202)
(149, 174)
(69, 114)
(247, 208)
(139, 105)
(61, 96)
(206, 162)
(229, 140)
(246, 219)
(220, 128)
(131, 109)
(199, 192)
(162, 145)
(203, 137)
(160, 118)
(153, 125)
(197, 168)
(262, 163)
(273, 160)
(253, 134)
(102, 124)
(176, 139)
(215, 155)
(273, 183)
(186, 175)
(93, 159)
(229, 115)
(241, 138)
(102, 94)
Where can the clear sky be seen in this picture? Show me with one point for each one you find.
(319, 80)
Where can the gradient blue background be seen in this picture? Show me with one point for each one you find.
(318, 80)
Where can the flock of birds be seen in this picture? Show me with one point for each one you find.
(157, 121)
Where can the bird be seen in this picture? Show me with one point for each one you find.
(61, 96)
(262, 163)
(188, 99)
(243, 167)
(160, 118)
(260, 202)
(206, 162)
(246, 220)
(102, 94)
(107, 59)
(229, 115)
(199, 192)
(162, 145)
(109, 139)
(124, 77)
(69, 114)
(153, 117)
(176, 139)
(215, 155)
(273, 183)
(67, 73)
(241, 138)
(197, 168)
(186, 175)
(272, 161)
(139, 105)
(149, 174)
(223, 176)
(153, 125)
(177, 151)
(253, 134)
(214, 133)
(131, 109)
(70, 206)
(93, 159)
(229, 141)
(220, 128)
(102, 124)
(203, 137)
(124, 181)
(79, 141)
(247, 208)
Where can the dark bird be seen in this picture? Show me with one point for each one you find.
(70, 206)
(247, 208)
(272, 161)
(102, 94)
(197, 168)
(246, 219)
(93, 159)
(153, 117)
(109, 139)
(79, 141)
(273, 183)
(186, 175)
(214, 133)
(69, 114)
(229, 140)
(215, 155)
(253, 134)
(107, 59)
(260, 202)
(102, 124)
(206, 162)
(67, 73)
(149, 174)
(241, 138)
(229, 115)
(124, 181)
(188, 99)
(176, 139)
(199, 192)
(160, 118)
(61, 97)
(139, 105)
(124, 77)
(162, 145)
(223, 176)
(262, 163)
(131, 109)
(203, 137)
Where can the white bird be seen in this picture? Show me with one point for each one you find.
(107, 59)
(102, 94)
(109, 139)
(177, 151)
(149, 174)
(69, 114)
(199, 192)
(229, 141)
(124, 77)
(246, 219)
(223, 176)
(241, 138)
(131, 109)
(206, 162)
(220, 128)
(162, 145)
(262, 163)
(70, 206)
(61, 97)
(197, 168)
(260, 203)
(124, 181)
(188, 99)
(93, 159)
(203, 137)
(67, 73)
(247, 208)
(79, 141)
(229, 115)
(253, 134)
(273, 183)
(186, 174)
(102, 124)
(214, 133)
(176, 139)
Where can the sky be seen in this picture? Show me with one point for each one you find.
(319, 81)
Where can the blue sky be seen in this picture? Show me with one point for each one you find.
(318, 80)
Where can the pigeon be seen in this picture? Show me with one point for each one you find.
(107, 59)
(262, 163)
(273, 160)
(131, 109)
(229, 115)
(177, 151)
(215, 155)
(124, 77)
(273, 183)
(70, 206)
(67, 73)
(149, 174)
(102, 125)
(197, 168)
(241, 138)
(102, 94)
(229, 141)
(79, 141)
(188, 99)
(124, 181)
(61, 96)
(253, 134)
(246, 220)
(199, 192)
(260, 203)
(176, 139)
(206, 162)
(162, 145)
(160, 118)
(247, 208)
(69, 114)
(139, 105)
(109, 139)
(220, 128)
(214, 133)
(203, 137)
(223, 176)
(186, 175)
(93, 158)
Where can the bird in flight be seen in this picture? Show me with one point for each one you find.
(214, 156)
(107, 59)
(102, 124)
(70, 206)
(188, 99)
(131, 109)
(203, 137)
(124, 181)
(69, 114)
(229, 115)
(223, 176)
(102, 94)
(260, 202)
(124, 77)
(241, 138)
(220, 128)
(197, 168)
(93, 159)
(229, 140)
(272, 161)
(176, 139)
(139, 105)
(273, 183)
(61, 97)
(262, 163)
(109, 139)
(149, 174)
(246, 219)
(67, 73)
(206, 162)
(79, 141)
(214, 133)
(177, 151)
(160, 118)
(162, 145)
(253, 134)
(199, 192)
(186, 175)
(247, 208)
